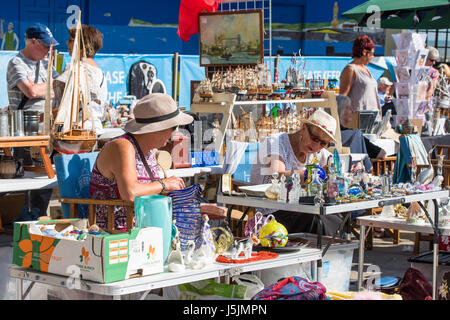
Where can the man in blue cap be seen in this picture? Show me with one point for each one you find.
(27, 71)
(27, 86)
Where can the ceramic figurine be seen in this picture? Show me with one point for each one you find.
(189, 252)
(273, 190)
(427, 129)
(282, 194)
(175, 261)
(425, 176)
(294, 194)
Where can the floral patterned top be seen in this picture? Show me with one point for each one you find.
(103, 188)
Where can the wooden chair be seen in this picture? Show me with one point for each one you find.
(111, 204)
(378, 168)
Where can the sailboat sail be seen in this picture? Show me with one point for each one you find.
(76, 90)
(69, 134)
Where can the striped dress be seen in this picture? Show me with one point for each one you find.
(103, 188)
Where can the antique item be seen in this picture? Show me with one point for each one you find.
(68, 132)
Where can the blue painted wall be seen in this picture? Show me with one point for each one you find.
(119, 21)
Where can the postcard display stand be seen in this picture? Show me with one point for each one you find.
(224, 103)
(411, 73)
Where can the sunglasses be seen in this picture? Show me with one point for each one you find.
(316, 139)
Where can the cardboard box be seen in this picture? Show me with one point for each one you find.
(101, 258)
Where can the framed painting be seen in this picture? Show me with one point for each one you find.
(231, 38)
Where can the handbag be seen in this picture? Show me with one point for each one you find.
(185, 206)
(187, 213)
(415, 286)
(293, 288)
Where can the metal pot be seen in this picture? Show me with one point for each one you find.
(4, 124)
(31, 123)
(10, 168)
(16, 123)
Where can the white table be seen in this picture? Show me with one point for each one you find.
(30, 181)
(161, 280)
(347, 208)
(399, 224)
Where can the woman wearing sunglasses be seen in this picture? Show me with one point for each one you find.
(286, 153)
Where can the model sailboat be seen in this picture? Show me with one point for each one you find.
(68, 132)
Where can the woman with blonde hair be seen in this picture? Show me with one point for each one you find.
(286, 153)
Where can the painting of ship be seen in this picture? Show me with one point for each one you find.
(231, 38)
(68, 133)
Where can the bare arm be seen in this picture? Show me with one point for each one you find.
(346, 80)
(278, 165)
(33, 90)
(117, 161)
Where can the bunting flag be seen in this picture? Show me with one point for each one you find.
(188, 17)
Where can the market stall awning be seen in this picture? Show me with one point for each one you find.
(404, 14)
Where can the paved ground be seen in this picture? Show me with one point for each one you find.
(391, 259)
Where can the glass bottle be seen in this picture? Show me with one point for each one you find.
(332, 185)
(386, 183)
(316, 183)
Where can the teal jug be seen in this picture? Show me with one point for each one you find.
(156, 211)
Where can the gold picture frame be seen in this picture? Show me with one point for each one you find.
(231, 38)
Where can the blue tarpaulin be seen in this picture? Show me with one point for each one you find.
(117, 66)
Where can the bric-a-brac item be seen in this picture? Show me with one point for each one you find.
(68, 133)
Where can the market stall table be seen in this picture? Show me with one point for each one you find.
(30, 181)
(346, 208)
(399, 224)
(145, 284)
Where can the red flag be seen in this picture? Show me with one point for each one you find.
(188, 17)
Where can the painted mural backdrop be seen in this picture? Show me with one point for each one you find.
(150, 27)
(316, 28)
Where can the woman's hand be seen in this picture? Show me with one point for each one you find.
(173, 183)
(356, 167)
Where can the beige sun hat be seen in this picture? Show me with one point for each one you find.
(323, 121)
(156, 112)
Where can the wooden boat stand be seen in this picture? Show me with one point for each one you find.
(41, 141)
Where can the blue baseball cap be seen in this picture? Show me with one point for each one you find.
(41, 32)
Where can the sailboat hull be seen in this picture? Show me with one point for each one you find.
(80, 141)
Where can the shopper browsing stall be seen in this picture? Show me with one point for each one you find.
(356, 81)
(120, 171)
(27, 87)
(286, 153)
(384, 86)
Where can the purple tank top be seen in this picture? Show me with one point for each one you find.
(103, 188)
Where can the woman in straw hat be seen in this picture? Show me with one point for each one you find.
(286, 153)
(120, 171)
